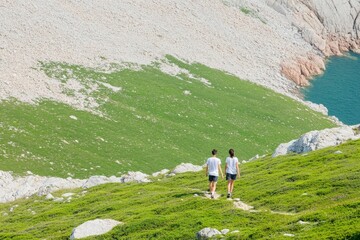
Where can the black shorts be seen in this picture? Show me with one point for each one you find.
(230, 176)
(213, 178)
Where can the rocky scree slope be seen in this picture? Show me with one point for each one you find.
(255, 40)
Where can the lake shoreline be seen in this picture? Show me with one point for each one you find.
(335, 88)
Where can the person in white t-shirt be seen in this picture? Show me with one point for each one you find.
(232, 170)
(212, 170)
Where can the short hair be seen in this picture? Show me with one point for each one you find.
(214, 152)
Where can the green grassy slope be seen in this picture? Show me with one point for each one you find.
(320, 188)
(150, 124)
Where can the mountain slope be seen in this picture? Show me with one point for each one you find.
(313, 196)
(146, 120)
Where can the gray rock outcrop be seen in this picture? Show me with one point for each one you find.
(319, 139)
(318, 20)
(93, 228)
(13, 187)
(330, 26)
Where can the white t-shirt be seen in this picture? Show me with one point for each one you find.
(231, 165)
(212, 164)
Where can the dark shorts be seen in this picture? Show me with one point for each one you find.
(213, 178)
(230, 176)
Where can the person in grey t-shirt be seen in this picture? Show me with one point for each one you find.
(232, 170)
(212, 170)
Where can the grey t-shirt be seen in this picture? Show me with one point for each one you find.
(213, 163)
(231, 165)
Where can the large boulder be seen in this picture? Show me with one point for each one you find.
(319, 139)
(207, 233)
(93, 228)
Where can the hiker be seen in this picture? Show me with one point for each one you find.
(232, 170)
(212, 170)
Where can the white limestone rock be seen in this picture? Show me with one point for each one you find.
(207, 233)
(13, 188)
(67, 195)
(187, 167)
(97, 180)
(289, 235)
(162, 172)
(317, 107)
(94, 228)
(241, 205)
(49, 196)
(138, 177)
(319, 139)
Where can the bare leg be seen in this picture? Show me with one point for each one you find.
(232, 185)
(229, 186)
(214, 187)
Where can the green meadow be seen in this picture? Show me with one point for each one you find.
(155, 121)
(312, 196)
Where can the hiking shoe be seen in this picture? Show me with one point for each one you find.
(228, 195)
(212, 195)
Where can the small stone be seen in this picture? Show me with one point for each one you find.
(289, 235)
(207, 233)
(302, 222)
(68, 194)
(225, 231)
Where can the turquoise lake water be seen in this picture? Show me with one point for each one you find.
(338, 89)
